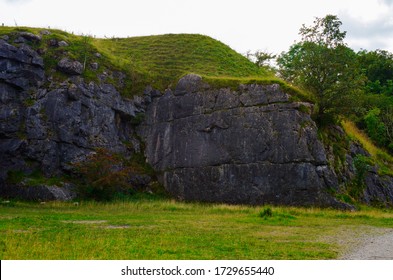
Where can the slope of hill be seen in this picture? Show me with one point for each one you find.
(161, 60)
(158, 60)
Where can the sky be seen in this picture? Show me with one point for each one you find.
(244, 25)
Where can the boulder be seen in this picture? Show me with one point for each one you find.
(63, 44)
(94, 66)
(71, 67)
(30, 36)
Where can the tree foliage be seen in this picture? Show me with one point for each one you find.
(260, 58)
(323, 65)
(325, 32)
(378, 68)
(375, 127)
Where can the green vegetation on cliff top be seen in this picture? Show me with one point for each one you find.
(159, 61)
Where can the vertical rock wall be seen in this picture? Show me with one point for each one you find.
(46, 125)
(250, 145)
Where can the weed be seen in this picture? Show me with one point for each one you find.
(266, 213)
(138, 119)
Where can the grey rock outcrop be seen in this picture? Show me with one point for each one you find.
(48, 127)
(30, 36)
(66, 192)
(250, 145)
(374, 189)
(71, 67)
(20, 68)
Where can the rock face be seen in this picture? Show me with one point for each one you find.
(47, 127)
(250, 145)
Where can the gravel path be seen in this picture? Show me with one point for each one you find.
(377, 245)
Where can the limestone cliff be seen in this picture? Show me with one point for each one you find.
(249, 145)
(46, 125)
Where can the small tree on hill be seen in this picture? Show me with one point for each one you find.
(323, 65)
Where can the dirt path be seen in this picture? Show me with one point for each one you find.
(375, 244)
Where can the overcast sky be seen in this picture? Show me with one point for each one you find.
(269, 25)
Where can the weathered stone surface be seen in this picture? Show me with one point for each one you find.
(48, 129)
(247, 146)
(63, 44)
(30, 36)
(189, 84)
(379, 190)
(20, 67)
(71, 67)
(45, 32)
(94, 66)
(66, 192)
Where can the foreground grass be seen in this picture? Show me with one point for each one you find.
(165, 229)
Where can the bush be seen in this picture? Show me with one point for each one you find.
(362, 165)
(104, 174)
(375, 127)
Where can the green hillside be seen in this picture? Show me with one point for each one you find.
(161, 60)
(150, 60)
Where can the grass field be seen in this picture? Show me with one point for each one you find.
(165, 229)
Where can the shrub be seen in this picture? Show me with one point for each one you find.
(362, 165)
(105, 174)
(375, 127)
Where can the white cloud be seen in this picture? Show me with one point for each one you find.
(242, 24)
(373, 32)
(15, 1)
(387, 2)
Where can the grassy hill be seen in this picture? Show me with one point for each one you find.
(161, 60)
(179, 54)
(151, 60)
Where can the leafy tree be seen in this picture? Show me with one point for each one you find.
(324, 32)
(260, 58)
(378, 68)
(322, 64)
(375, 127)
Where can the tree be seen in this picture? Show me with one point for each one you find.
(378, 68)
(324, 32)
(323, 65)
(260, 58)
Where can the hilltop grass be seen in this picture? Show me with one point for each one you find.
(165, 229)
(234, 82)
(159, 61)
